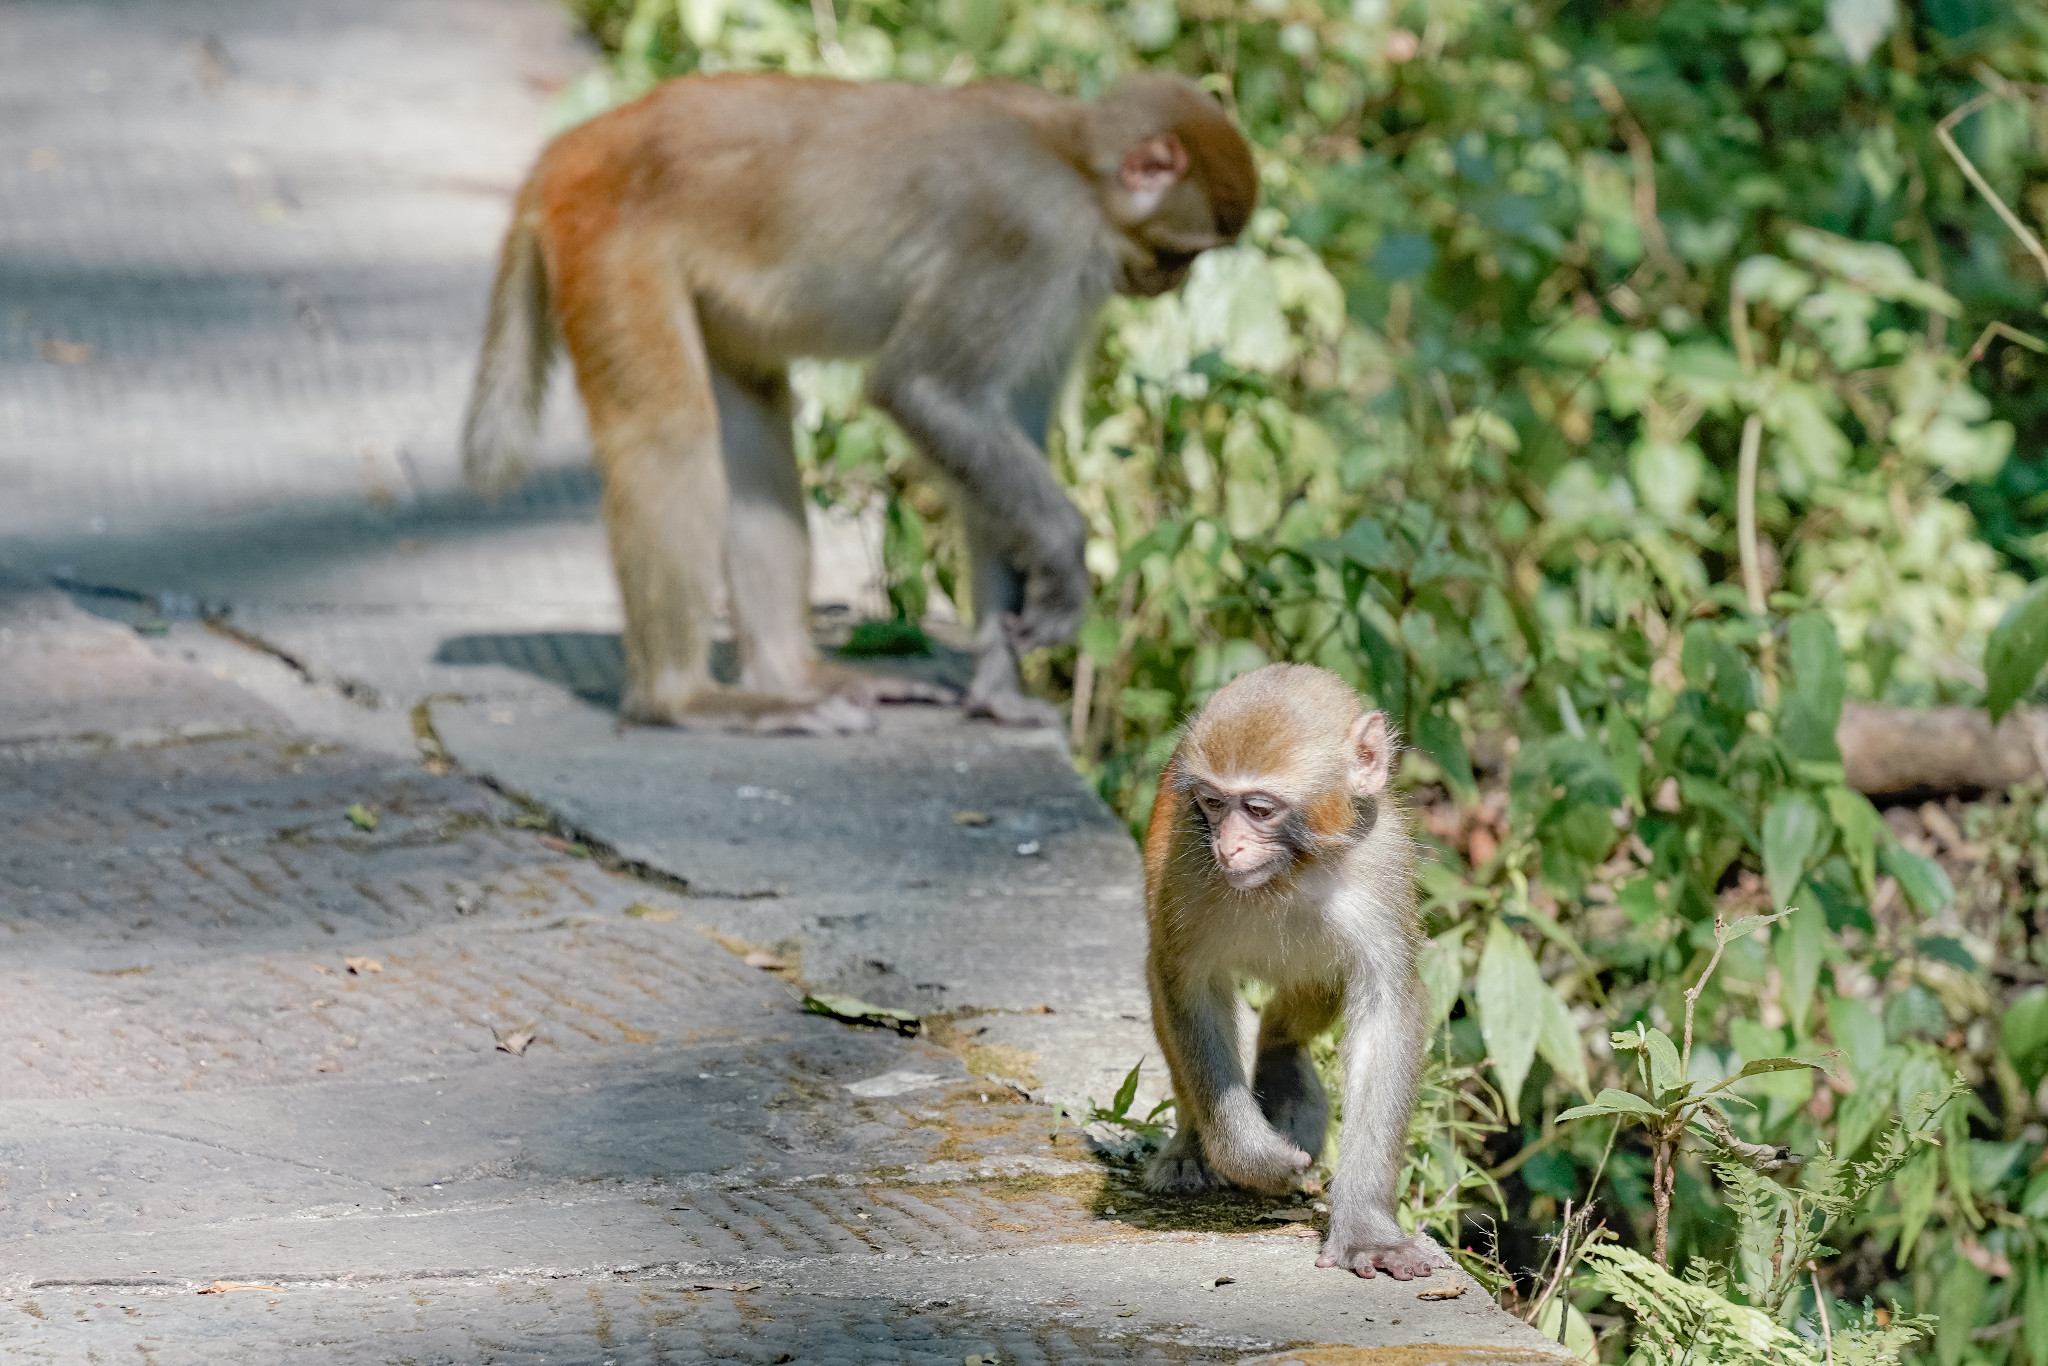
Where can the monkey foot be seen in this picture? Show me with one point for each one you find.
(833, 715)
(1014, 709)
(1405, 1260)
(755, 713)
(865, 689)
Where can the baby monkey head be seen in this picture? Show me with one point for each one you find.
(1278, 768)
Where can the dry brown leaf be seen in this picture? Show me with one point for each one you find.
(363, 966)
(734, 1286)
(65, 352)
(764, 960)
(514, 1038)
(1442, 1292)
(222, 1287)
(972, 818)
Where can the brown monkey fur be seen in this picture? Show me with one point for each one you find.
(1276, 852)
(689, 244)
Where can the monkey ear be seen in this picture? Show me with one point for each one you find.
(1150, 169)
(1371, 752)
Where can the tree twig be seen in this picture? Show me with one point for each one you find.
(2004, 90)
(1827, 1332)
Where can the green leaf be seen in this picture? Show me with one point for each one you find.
(1440, 735)
(1510, 993)
(1862, 831)
(1126, 1093)
(1666, 1072)
(1612, 1102)
(2023, 1035)
(1443, 971)
(1563, 1323)
(856, 1011)
(1799, 949)
(1860, 1034)
(1558, 1040)
(1812, 707)
(1920, 878)
(1705, 792)
(2017, 649)
(361, 817)
(1794, 829)
(1759, 1066)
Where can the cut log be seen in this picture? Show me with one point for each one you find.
(1889, 751)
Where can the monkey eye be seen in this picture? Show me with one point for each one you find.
(1261, 810)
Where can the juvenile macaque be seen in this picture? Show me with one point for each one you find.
(1276, 852)
(690, 244)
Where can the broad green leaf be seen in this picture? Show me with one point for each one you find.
(1440, 735)
(1812, 707)
(1862, 831)
(1665, 1071)
(1443, 971)
(1705, 792)
(1799, 948)
(1562, 1322)
(1511, 995)
(2035, 1332)
(856, 1011)
(1794, 830)
(1916, 1187)
(1557, 1038)
(2034, 1204)
(1859, 1034)
(2023, 1035)
(1612, 1102)
(1920, 878)
(2017, 649)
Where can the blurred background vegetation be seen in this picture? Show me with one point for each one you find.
(1464, 419)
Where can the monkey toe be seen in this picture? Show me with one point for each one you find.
(1410, 1259)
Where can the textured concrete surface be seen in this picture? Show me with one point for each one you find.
(366, 993)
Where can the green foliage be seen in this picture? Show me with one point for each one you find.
(1462, 419)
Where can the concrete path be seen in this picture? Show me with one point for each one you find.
(367, 993)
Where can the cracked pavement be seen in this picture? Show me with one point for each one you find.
(367, 992)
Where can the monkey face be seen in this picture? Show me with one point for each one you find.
(1247, 834)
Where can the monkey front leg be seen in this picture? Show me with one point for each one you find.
(1028, 519)
(1221, 1130)
(1383, 1043)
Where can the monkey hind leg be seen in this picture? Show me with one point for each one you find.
(1291, 1096)
(1180, 1167)
(646, 385)
(1284, 1078)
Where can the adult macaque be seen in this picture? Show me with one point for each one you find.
(1276, 852)
(693, 242)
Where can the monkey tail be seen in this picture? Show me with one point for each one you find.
(503, 421)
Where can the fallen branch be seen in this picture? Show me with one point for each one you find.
(1894, 750)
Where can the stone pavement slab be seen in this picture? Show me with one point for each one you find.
(248, 1037)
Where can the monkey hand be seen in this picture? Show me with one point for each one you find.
(1056, 590)
(1404, 1257)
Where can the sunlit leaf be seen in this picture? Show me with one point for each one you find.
(2017, 649)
